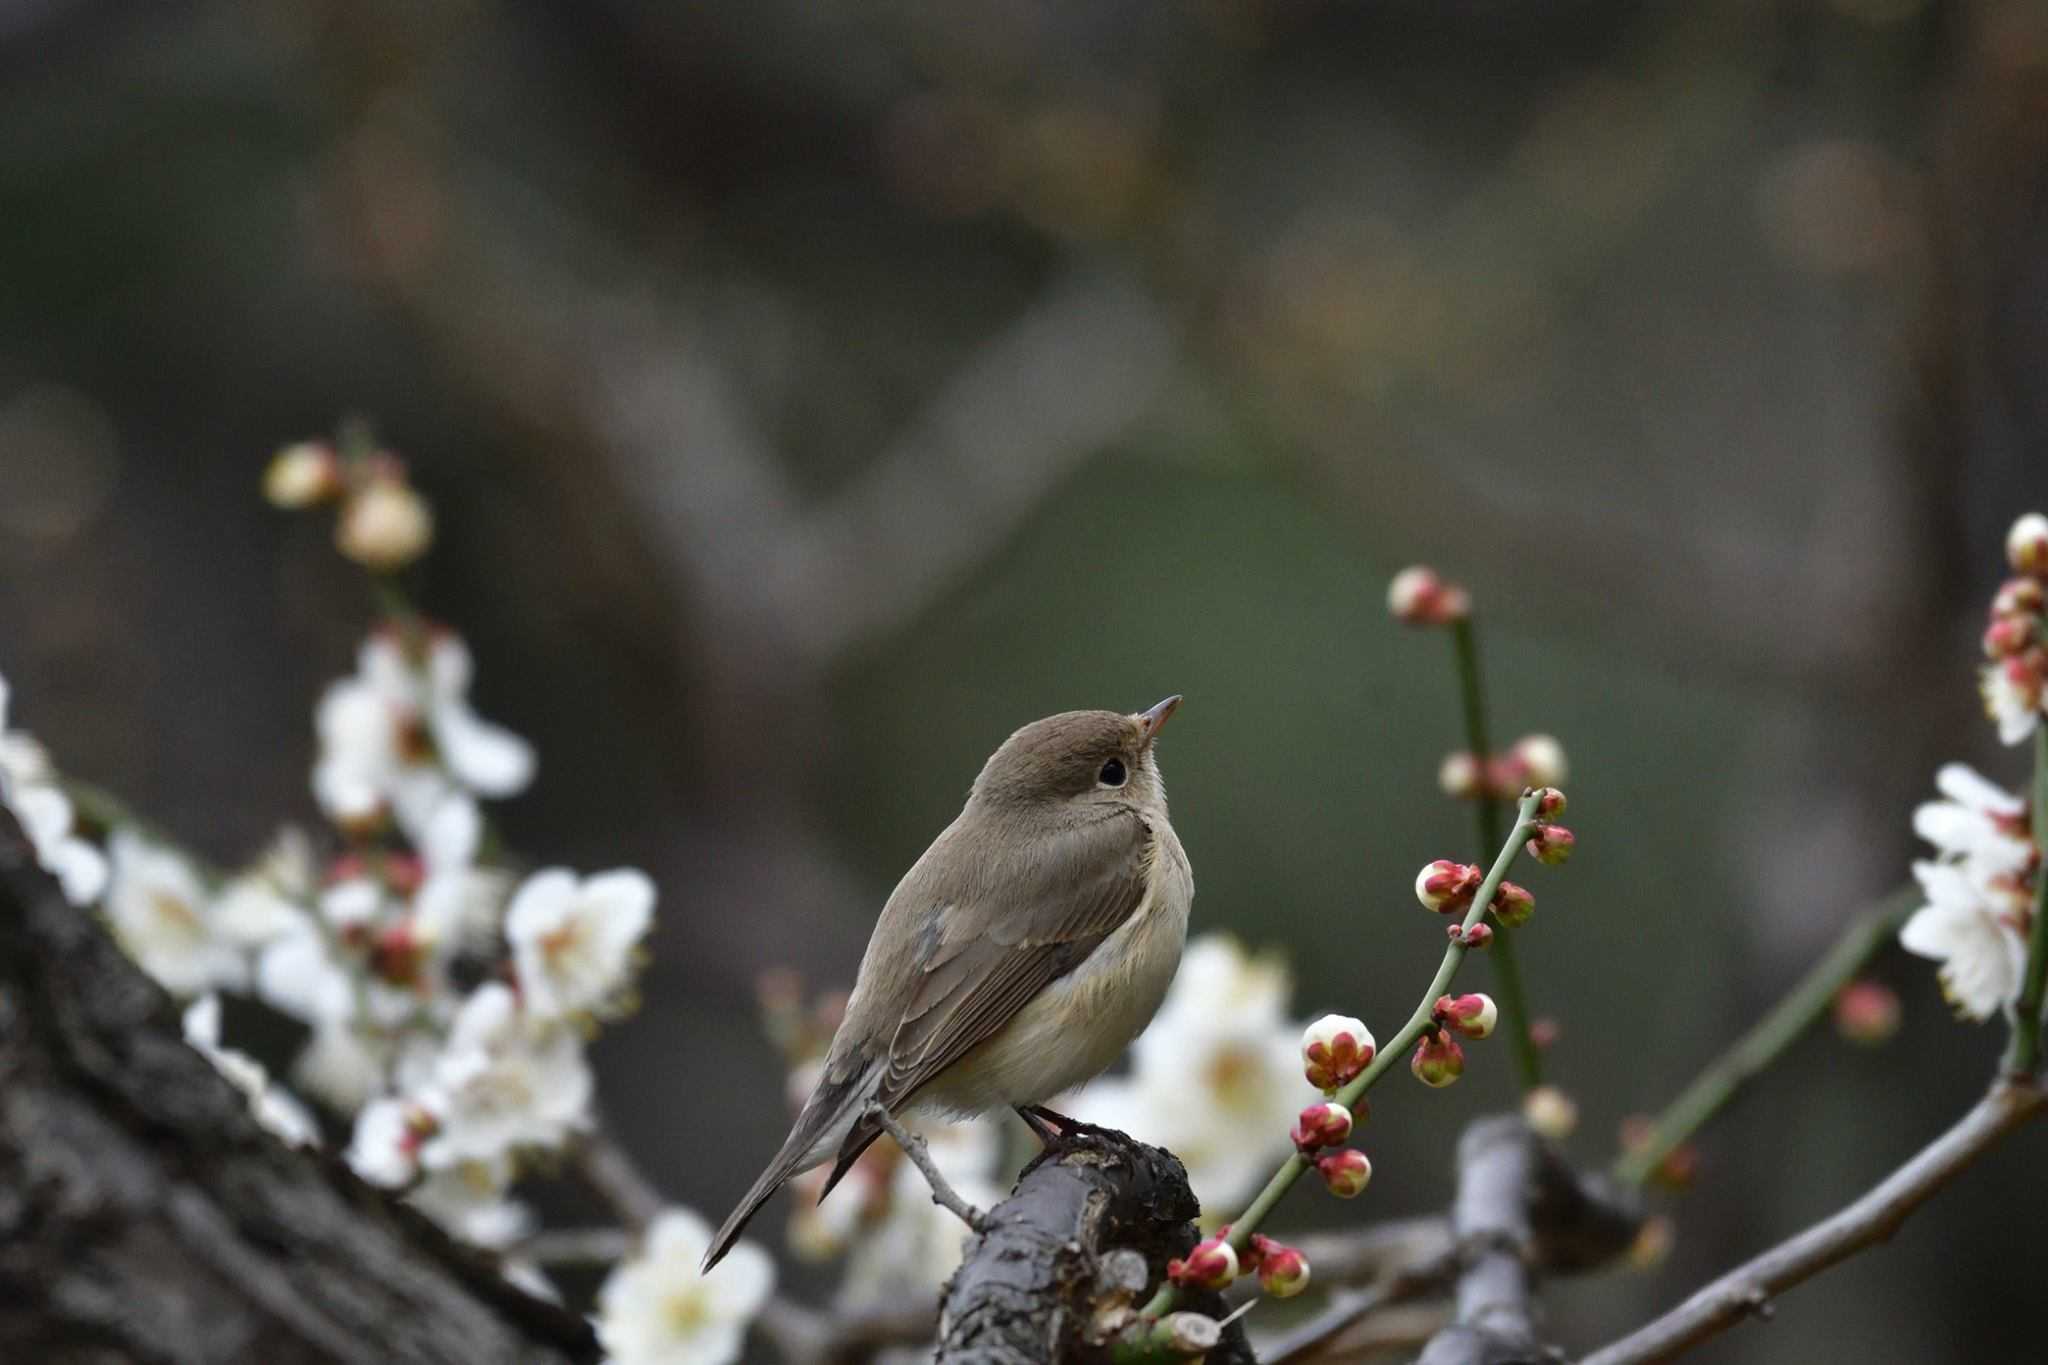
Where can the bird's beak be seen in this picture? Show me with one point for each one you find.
(1152, 720)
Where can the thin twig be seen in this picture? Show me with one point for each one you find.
(1291, 1169)
(1747, 1290)
(618, 1179)
(1507, 973)
(1756, 1050)
(943, 1194)
(574, 1246)
(1308, 1340)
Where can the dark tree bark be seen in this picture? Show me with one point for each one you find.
(144, 1215)
(1028, 1287)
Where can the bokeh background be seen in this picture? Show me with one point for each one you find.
(812, 393)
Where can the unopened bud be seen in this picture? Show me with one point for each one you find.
(302, 474)
(1211, 1265)
(2008, 635)
(1471, 1015)
(1320, 1126)
(1334, 1049)
(385, 525)
(1549, 804)
(1867, 1012)
(1462, 775)
(2026, 545)
(1446, 887)
(1417, 597)
(1513, 905)
(1551, 845)
(1438, 1060)
(1346, 1173)
(2020, 597)
(1678, 1167)
(1282, 1269)
(1653, 1243)
(1542, 759)
(1478, 936)
(1544, 1030)
(1550, 1112)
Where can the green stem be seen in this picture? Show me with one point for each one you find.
(1757, 1049)
(1507, 973)
(2023, 1054)
(1247, 1223)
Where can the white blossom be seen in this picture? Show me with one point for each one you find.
(28, 787)
(385, 1147)
(469, 1201)
(504, 1081)
(299, 974)
(1980, 821)
(2013, 698)
(402, 736)
(655, 1309)
(162, 916)
(1971, 928)
(340, 1067)
(573, 939)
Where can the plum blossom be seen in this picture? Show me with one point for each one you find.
(655, 1309)
(1224, 1029)
(28, 787)
(1978, 889)
(163, 916)
(400, 735)
(469, 1201)
(386, 1145)
(503, 1081)
(573, 939)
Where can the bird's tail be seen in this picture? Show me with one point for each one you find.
(831, 1114)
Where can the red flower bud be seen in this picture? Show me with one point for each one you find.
(1550, 844)
(1447, 887)
(1472, 1015)
(1345, 1173)
(1512, 905)
(1320, 1126)
(1334, 1049)
(1438, 1060)
(2020, 597)
(1549, 804)
(1282, 1269)
(1866, 1012)
(1478, 936)
(1417, 597)
(2008, 635)
(1211, 1265)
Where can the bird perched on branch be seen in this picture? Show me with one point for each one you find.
(1018, 957)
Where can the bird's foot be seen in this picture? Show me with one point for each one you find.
(1059, 1134)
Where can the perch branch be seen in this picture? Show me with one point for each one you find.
(1747, 1290)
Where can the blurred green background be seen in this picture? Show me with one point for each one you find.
(810, 394)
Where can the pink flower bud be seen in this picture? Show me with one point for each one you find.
(1542, 759)
(2008, 635)
(1417, 597)
(1462, 776)
(1551, 844)
(1478, 936)
(1438, 1060)
(1550, 1112)
(1866, 1012)
(1512, 905)
(1680, 1165)
(1472, 1015)
(2020, 597)
(1211, 1265)
(302, 474)
(1446, 887)
(1334, 1049)
(1282, 1269)
(2026, 545)
(1544, 1030)
(1345, 1173)
(1320, 1126)
(1549, 804)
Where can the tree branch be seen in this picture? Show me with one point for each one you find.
(1747, 1290)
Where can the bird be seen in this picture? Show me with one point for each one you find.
(1017, 958)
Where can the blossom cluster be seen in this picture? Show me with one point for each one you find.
(1979, 888)
(30, 789)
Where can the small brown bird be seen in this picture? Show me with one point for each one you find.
(1018, 957)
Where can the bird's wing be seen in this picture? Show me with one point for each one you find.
(994, 941)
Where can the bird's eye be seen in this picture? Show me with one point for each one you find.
(1113, 773)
